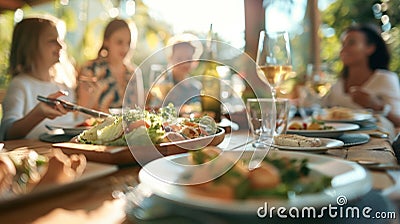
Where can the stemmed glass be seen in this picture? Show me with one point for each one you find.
(273, 66)
(319, 81)
(274, 63)
(160, 84)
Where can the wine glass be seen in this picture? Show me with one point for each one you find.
(319, 80)
(160, 83)
(274, 63)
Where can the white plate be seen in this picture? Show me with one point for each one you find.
(357, 117)
(70, 131)
(74, 131)
(338, 130)
(92, 171)
(327, 143)
(348, 179)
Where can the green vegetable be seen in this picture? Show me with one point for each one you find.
(139, 137)
(117, 131)
(110, 132)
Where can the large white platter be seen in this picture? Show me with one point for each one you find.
(338, 130)
(349, 180)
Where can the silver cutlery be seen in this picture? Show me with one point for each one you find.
(373, 165)
(382, 149)
(73, 107)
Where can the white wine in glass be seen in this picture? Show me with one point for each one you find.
(321, 88)
(275, 74)
(274, 63)
(320, 79)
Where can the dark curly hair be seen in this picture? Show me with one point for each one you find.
(381, 57)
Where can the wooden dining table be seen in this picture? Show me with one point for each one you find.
(98, 200)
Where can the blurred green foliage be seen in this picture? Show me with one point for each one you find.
(342, 13)
(152, 33)
(6, 26)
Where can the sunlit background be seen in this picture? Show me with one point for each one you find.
(158, 20)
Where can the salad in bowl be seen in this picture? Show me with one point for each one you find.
(138, 125)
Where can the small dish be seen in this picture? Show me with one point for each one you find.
(327, 143)
(338, 130)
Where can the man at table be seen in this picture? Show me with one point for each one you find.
(176, 85)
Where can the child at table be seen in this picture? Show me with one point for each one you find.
(35, 54)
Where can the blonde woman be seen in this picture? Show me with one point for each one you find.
(35, 52)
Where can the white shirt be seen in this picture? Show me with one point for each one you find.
(383, 84)
(21, 99)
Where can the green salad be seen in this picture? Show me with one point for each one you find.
(143, 127)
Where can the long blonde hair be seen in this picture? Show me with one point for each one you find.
(24, 45)
(24, 48)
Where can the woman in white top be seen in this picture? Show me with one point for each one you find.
(35, 52)
(366, 81)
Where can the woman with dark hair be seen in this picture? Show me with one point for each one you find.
(35, 52)
(366, 81)
(104, 80)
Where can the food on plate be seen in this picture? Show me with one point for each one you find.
(205, 155)
(7, 173)
(297, 126)
(339, 113)
(294, 140)
(23, 171)
(62, 168)
(173, 137)
(142, 127)
(89, 122)
(274, 177)
(314, 125)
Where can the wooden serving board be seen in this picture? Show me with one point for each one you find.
(98, 153)
(121, 155)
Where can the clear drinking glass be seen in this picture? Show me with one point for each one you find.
(274, 63)
(267, 117)
(155, 71)
(160, 85)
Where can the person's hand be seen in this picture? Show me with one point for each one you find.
(90, 90)
(52, 112)
(365, 99)
(92, 86)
